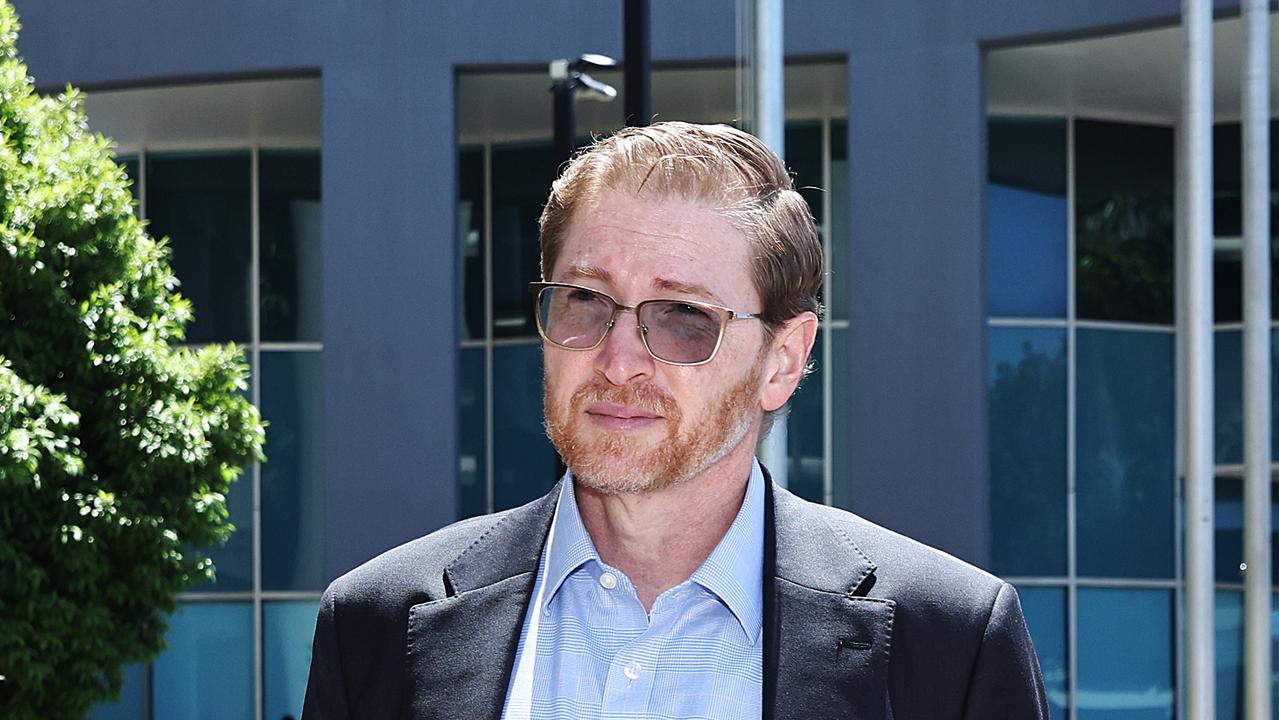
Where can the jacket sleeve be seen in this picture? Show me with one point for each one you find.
(1006, 681)
(325, 687)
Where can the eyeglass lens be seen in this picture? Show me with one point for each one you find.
(675, 331)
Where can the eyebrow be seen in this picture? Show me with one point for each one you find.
(595, 272)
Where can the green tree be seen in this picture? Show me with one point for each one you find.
(116, 448)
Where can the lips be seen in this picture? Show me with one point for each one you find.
(620, 412)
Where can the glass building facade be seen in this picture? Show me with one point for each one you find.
(1081, 379)
(244, 229)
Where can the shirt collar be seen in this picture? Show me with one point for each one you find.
(734, 571)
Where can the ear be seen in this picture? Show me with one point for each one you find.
(788, 356)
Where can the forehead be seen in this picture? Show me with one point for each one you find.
(647, 244)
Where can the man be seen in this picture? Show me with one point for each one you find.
(665, 576)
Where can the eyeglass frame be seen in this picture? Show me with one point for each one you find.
(726, 315)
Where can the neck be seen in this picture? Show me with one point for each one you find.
(658, 539)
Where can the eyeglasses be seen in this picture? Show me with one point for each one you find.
(678, 332)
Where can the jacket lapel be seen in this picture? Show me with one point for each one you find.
(461, 647)
(827, 645)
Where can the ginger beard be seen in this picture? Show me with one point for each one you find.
(615, 463)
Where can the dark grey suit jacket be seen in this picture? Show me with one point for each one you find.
(859, 623)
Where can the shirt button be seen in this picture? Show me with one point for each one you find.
(609, 581)
(632, 670)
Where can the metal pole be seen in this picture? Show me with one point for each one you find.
(637, 63)
(1196, 150)
(1256, 358)
(769, 125)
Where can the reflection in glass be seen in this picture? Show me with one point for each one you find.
(1026, 381)
(804, 433)
(524, 462)
(207, 671)
(1045, 611)
(1026, 218)
(1124, 453)
(292, 476)
(470, 241)
(472, 486)
(287, 630)
(131, 703)
(289, 246)
(522, 177)
(1125, 654)
(1228, 395)
(201, 202)
(1124, 221)
(1228, 529)
(1228, 629)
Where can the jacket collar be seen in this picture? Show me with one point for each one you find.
(826, 645)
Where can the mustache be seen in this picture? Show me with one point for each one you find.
(646, 396)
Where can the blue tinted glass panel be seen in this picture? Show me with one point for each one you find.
(1045, 611)
(1228, 625)
(1026, 382)
(841, 483)
(1025, 253)
(804, 433)
(1228, 530)
(1228, 395)
(837, 263)
(1125, 654)
(293, 475)
(131, 703)
(207, 671)
(525, 465)
(201, 202)
(1026, 217)
(522, 177)
(233, 559)
(472, 486)
(1124, 460)
(470, 242)
(289, 246)
(287, 631)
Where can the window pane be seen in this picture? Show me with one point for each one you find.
(201, 202)
(293, 475)
(1124, 221)
(131, 704)
(804, 161)
(287, 631)
(524, 462)
(1227, 220)
(837, 264)
(472, 460)
(1124, 453)
(289, 246)
(207, 671)
(522, 179)
(839, 408)
(1228, 622)
(1026, 381)
(1026, 218)
(804, 433)
(1125, 654)
(470, 241)
(1045, 611)
(1228, 396)
(1228, 530)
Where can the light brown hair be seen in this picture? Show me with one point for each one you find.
(728, 170)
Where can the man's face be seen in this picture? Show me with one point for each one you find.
(623, 421)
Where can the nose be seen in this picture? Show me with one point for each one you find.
(622, 357)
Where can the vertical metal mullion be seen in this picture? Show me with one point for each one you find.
(1072, 552)
(489, 475)
(828, 369)
(255, 218)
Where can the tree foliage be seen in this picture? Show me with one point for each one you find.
(116, 447)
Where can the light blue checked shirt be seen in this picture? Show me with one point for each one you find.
(588, 649)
